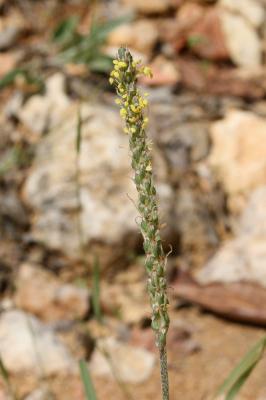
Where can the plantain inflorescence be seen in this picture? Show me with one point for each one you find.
(132, 104)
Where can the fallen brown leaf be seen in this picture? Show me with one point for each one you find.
(207, 77)
(241, 301)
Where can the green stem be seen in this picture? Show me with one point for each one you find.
(125, 77)
(164, 373)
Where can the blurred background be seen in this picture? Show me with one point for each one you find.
(72, 282)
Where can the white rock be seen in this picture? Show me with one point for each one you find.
(107, 214)
(8, 36)
(238, 155)
(242, 258)
(131, 299)
(236, 261)
(241, 39)
(253, 220)
(41, 294)
(148, 7)
(26, 345)
(41, 113)
(105, 181)
(140, 35)
(130, 364)
(252, 10)
(39, 394)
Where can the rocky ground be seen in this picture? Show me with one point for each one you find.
(62, 210)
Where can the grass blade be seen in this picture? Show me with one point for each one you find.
(241, 372)
(237, 386)
(10, 77)
(79, 131)
(87, 382)
(96, 305)
(4, 372)
(101, 63)
(100, 31)
(65, 31)
(5, 376)
(36, 83)
(86, 49)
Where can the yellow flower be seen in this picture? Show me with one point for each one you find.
(147, 72)
(135, 63)
(149, 167)
(115, 74)
(134, 108)
(123, 112)
(122, 64)
(143, 102)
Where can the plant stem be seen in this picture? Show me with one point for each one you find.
(124, 77)
(164, 373)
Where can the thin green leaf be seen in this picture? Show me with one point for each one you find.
(65, 30)
(101, 63)
(3, 371)
(87, 382)
(79, 132)
(237, 386)
(241, 372)
(96, 305)
(87, 49)
(5, 376)
(10, 77)
(15, 158)
(99, 32)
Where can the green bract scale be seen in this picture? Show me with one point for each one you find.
(132, 109)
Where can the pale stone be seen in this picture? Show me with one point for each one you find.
(252, 10)
(243, 258)
(107, 194)
(26, 345)
(164, 73)
(239, 260)
(253, 220)
(238, 155)
(150, 6)
(39, 394)
(131, 299)
(44, 112)
(43, 295)
(130, 364)
(241, 39)
(140, 35)
(12, 25)
(51, 189)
